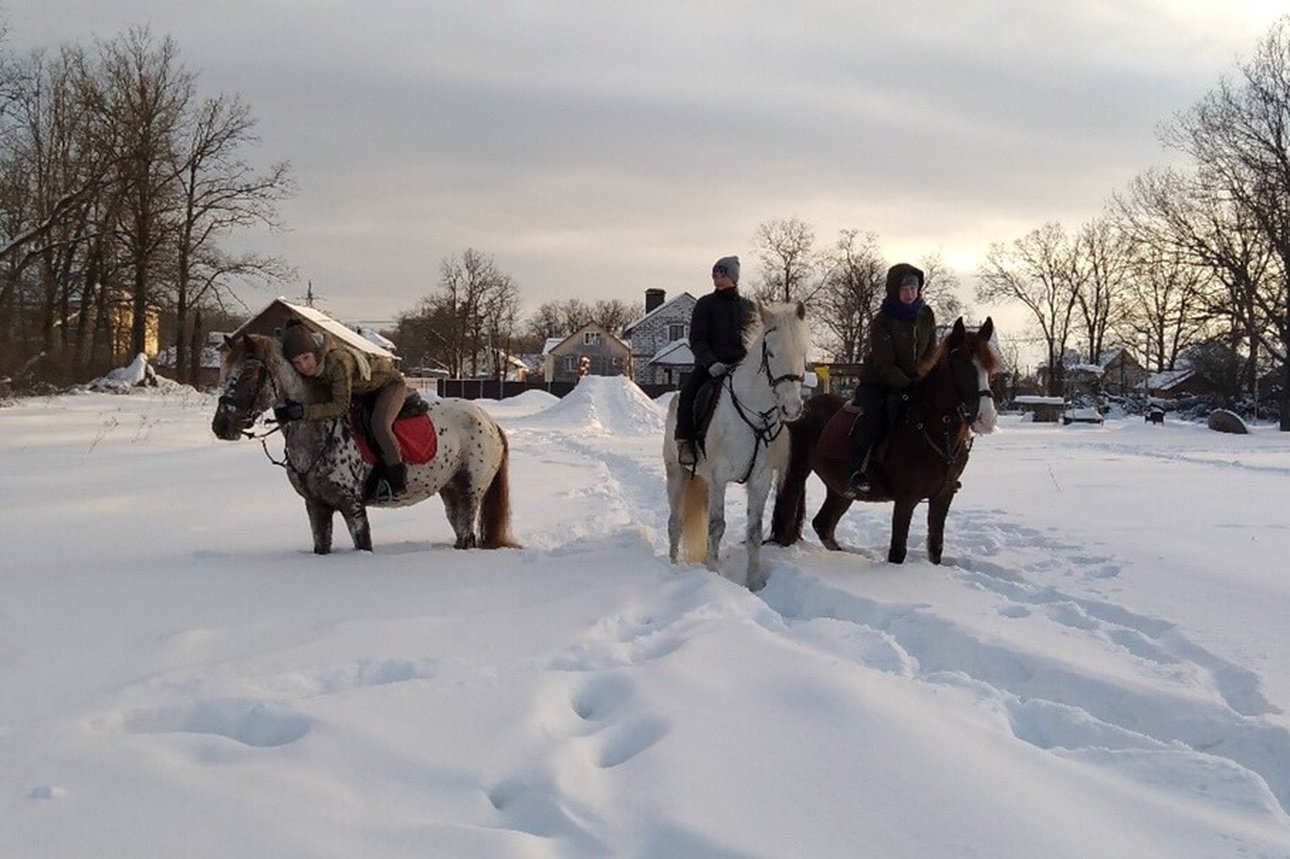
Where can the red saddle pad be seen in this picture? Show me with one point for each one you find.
(416, 437)
(835, 441)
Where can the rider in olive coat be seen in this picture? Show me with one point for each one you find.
(338, 372)
(901, 336)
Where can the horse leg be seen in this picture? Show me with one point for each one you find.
(676, 480)
(824, 523)
(901, 514)
(320, 516)
(758, 489)
(360, 530)
(461, 502)
(937, 509)
(716, 521)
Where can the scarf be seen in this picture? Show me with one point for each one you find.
(897, 309)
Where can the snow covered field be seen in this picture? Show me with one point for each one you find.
(1099, 669)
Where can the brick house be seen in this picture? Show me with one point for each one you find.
(660, 340)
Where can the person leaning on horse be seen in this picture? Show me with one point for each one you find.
(339, 372)
(902, 335)
(717, 341)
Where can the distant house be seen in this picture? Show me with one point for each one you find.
(1115, 372)
(208, 363)
(660, 340)
(591, 350)
(273, 318)
(1173, 384)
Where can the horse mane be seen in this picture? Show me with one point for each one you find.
(982, 351)
(788, 316)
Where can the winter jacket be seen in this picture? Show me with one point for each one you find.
(341, 377)
(897, 346)
(717, 327)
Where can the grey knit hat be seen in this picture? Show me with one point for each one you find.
(728, 265)
(297, 340)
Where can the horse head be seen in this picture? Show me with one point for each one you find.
(245, 389)
(785, 342)
(972, 361)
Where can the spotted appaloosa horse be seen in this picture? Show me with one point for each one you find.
(922, 457)
(745, 441)
(323, 462)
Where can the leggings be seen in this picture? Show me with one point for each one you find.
(389, 401)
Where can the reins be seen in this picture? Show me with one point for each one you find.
(951, 452)
(768, 425)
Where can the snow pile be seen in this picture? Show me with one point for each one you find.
(137, 374)
(610, 404)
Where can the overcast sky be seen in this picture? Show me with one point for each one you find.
(595, 149)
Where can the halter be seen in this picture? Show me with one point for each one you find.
(950, 452)
(767, 426)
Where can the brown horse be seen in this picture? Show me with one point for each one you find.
(922, 457)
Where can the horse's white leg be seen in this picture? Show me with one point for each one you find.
(758, 489)
(320, 516)
(716, 520)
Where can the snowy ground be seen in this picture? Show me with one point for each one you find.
(1100, 668)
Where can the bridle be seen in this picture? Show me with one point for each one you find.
(766, 425)
(954, 422)
(239, 397)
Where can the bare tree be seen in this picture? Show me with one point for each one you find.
(790, 266)
(1239, 137)
(1036, 271)
(853, 288)
(1101, 264)
(219, 192)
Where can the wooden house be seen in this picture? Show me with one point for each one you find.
(591, 350)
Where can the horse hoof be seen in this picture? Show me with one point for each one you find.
(896, 557)
(832, 545)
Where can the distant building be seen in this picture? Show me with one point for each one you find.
(591, 350)
(660, 340)
(273, 318)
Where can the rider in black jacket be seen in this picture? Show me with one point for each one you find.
(717, 341)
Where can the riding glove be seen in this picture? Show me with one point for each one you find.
(717, 368)
(289, 411)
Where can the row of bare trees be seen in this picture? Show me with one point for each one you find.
(119, 187)
(1186, 261)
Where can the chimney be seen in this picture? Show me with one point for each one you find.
(654, 299)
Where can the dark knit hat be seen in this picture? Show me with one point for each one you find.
(729, 266)
(297, 340)
(900, 274)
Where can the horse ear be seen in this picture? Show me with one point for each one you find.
(958, 332)
(801, 310)
(987, 329)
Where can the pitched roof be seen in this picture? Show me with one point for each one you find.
(279, 309)
(627, 330)
(677, 352)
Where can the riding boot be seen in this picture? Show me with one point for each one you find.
(858, 483)
(686, 454)
(388, 482)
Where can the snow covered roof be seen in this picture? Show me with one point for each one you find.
(551, 343)
(677, 352)
(277, 312)
(1167, 379)
(627, 331)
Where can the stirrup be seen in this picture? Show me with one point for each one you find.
(858, 484)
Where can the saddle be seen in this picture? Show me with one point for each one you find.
(413, 430)
(705, 406)
(836, 438)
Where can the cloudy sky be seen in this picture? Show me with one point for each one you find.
(595, 149)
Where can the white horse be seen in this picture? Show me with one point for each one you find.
(746, 441)
(469, 471)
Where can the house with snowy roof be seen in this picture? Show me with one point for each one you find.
(660, 339)
(273, 318)
(592, 350)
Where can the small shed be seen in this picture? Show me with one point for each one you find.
(273, 318)
(1045, 410)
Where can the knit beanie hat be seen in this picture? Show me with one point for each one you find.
(730, 265)
(297, 340)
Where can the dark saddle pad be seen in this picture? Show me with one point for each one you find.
(413, 430)
(705, 405)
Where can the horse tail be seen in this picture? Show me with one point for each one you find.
(789, 512)
(495, 510)
(694, 520)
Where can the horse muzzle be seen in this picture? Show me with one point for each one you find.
(230, 423)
